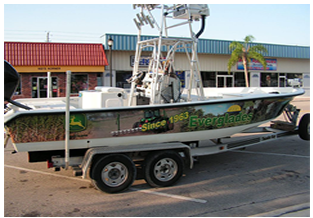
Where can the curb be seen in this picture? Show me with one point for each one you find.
(300, 210)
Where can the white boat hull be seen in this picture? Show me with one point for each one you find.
(217, 117)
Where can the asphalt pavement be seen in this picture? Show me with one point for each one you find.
(301, 210)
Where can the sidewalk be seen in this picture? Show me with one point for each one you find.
(302, 98)
(301, 210)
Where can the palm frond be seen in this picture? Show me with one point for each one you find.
(249, 39)
(248, 60)
(259, 57)
(246, 52)
(259, 48)
(234, 58)
(235, 45)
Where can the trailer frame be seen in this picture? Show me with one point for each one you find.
(185, 154)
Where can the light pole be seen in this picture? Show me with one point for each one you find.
(110, 43)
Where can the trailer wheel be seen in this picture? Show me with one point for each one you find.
(163, 168)
(304, 127)
(113, 173)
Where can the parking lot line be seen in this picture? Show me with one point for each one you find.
(266, 153)
(133, 189)
(45, 173)
(170, 195)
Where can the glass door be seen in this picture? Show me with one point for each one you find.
(282, 81)
(229, 81)
(224, 81)
(40, 87)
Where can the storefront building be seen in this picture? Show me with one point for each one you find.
(284, 63)
(34, 61)
(90, 67)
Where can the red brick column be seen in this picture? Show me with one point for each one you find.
(92, 81)
(61, 83)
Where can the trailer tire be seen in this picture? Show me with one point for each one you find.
(304, 127)
(163, 168)
(113, 173)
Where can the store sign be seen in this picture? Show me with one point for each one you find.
(143, 62)
(271, 65)
(49, 68)
(181, 76)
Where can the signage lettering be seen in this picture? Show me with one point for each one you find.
(241, 118)
(143, 61)
(271, 65)
(49, 68)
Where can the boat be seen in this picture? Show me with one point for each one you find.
(223, 113)
(156, 109)
(111, 116)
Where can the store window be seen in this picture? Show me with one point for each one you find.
(79, 82)
(294, 78)
(208, 79)
(269, 79)
(240, 80)
(290, 79)
(121, 77)
(181, 75)
(99, 79)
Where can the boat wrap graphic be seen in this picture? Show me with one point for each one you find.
(151, 120)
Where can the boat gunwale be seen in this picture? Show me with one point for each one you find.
(158, 106)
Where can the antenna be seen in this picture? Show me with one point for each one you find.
(48, 36)
(143, 19)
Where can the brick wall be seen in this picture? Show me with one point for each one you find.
(26, 83)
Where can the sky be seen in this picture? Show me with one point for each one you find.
(287, 24)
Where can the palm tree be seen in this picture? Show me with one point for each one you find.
(246, 52)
